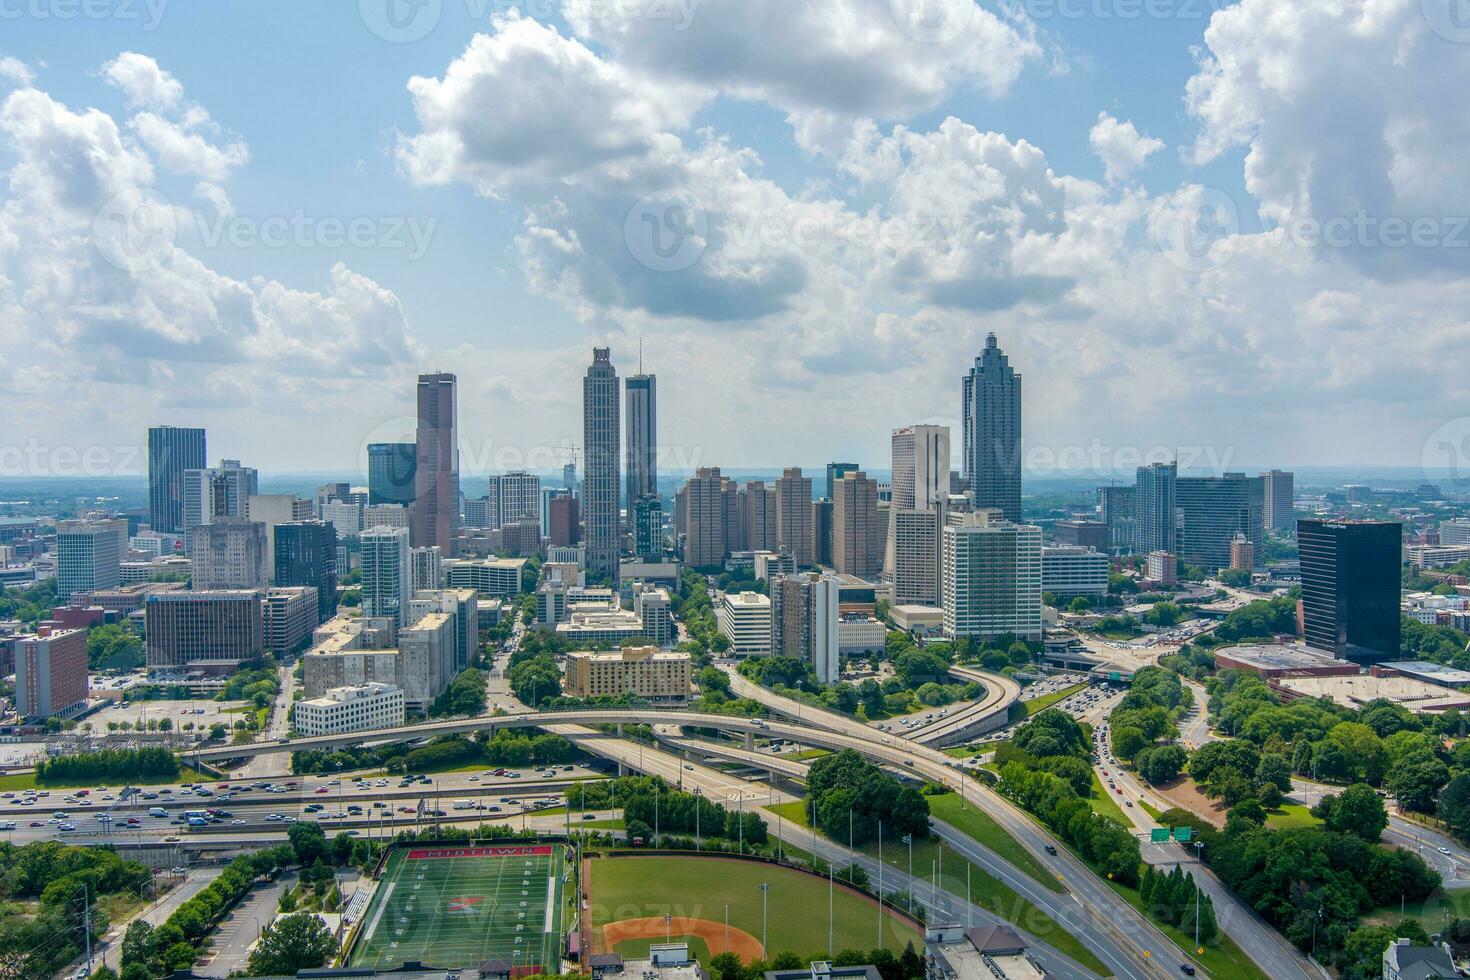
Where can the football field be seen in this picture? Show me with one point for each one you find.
(458, 906)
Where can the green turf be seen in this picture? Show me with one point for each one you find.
(1290, 815)
(1105, 802)
(1047, 700)
(461, 909)
(981, 827)
(796, 917)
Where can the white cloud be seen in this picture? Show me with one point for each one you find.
(1346, 115)
(181, 135)
(14, 70)
(1121, 148)
(143, 82)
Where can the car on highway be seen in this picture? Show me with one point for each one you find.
(1445, 851)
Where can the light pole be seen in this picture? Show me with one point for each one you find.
(909, 840)
(880, 884)
(765, 892)
(1198, 847)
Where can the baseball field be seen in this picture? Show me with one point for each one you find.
(632, 896)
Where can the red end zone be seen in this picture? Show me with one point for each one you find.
(428, 854)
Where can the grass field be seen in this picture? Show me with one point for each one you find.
(702, 888)
(1290, 815)
(1434, 913)
(1047, 700)
(457, 906)
(980, 826)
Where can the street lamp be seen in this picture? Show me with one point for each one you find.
(765, 892)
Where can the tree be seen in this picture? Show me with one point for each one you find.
(299, 941)
(308, 841)
(1356, 810)
(1274, 770)
(1454, 805)
(1161, 763)
(1416, 782)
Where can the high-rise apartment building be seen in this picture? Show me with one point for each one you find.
(804, 620)
(392, 472)
(794, 516)
(51, 673)
(428, 568)
(511, 497)
(171, 452)
(856, 533)
(1117, 507)
(436, 466)
(306, 555)
(387, 574)
(1154, 504)
(1211, 511)
(600, 445)
(1280, 488)
(288, 615)
(707, 498)
(220, 491)
(1351, 588)
(273, 509)
(992, 577)
(758, 516)
(229, 553)
(642, 436)
(89, 556)
(992, 437)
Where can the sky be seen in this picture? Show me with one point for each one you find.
(1231, 232)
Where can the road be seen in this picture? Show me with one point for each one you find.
(1266, 947)
(110, 954)
(985, 715)
(1429, 844)
(259, 767)
(237, 933)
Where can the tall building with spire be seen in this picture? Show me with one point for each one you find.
(436, 473)
(600, 483)
(992, 438)
(642, 437)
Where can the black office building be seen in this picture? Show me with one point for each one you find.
(306, 554)
(392, 468)
(1351, 588)
(171, 451)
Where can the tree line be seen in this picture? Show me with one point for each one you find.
(110, 765)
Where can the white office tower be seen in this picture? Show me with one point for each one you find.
(512, 496)
(991, 576)
(220, 491)
(920, 485)
(387, 574)
(804, 622)
(89, 556)
(428, 568)
(745, 620)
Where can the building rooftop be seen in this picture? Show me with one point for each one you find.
(1354, 692)
(750, 599)
(1279, 657)
(1425, 670)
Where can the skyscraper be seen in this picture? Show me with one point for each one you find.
(1118, 508)
(855, 532)
(220, 491)
(642, 436)
(992, 442)
(391, 472)
(804, 622)
(171, 451)
(835, 472)
(565, 521)
(1280, 511)
(920, 484)
(387, 574)
(648, 527)
(1351, 588)
(229, 553)
(89, 556)
(1212, 510)
(707, 518)
(758, 506)
(794, 516)
(600, 444)
(1154, 508)
(436, 469)
(306, 554)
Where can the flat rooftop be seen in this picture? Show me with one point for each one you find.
(1424, 670)
(1279, 657)
(1354, 692)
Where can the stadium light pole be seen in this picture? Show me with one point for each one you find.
(829, 909)
(909, 840)
(765, 892)
(880, 884)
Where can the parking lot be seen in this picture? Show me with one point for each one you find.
(201, 712)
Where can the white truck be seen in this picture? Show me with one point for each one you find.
(464, 804)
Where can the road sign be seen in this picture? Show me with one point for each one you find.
(1159, 835)
(1183, 834)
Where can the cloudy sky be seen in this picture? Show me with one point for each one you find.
(1238, 229)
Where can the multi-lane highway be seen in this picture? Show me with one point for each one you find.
(985, 715)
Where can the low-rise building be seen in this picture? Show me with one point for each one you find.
(917, 619)
(1071, 571)
(610, 626)
(1162, 567)
(997, 952)
(1422, 556)
(857, 633)
(646, 672)
(491, 577)
(351, 709)
(745, 620)
(1402, 960)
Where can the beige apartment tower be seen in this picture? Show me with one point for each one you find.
(856, 538)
